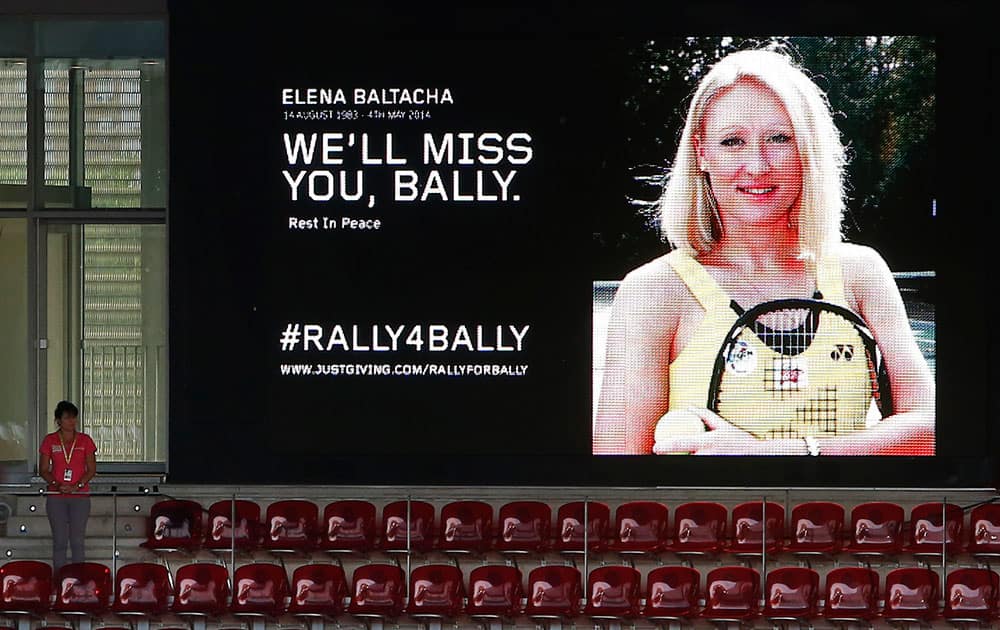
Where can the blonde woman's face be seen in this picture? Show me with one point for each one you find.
(747, 147)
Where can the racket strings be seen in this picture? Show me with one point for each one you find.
(788, 332)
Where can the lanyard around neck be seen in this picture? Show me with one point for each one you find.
(72, 447)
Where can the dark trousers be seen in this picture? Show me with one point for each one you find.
(68, 520)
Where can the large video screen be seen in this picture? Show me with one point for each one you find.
(404, 255)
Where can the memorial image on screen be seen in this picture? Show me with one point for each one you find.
(563, 260)
(766, 286)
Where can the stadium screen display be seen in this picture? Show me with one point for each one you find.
(453, 259)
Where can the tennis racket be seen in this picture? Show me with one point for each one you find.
(795, 368)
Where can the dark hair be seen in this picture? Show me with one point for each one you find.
(66, 408)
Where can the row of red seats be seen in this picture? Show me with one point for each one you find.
(438, 591)
(525, 526)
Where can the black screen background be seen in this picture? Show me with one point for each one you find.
(237, 275)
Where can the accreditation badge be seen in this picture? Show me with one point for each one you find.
(67, 475)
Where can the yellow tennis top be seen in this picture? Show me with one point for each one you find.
(691, 371)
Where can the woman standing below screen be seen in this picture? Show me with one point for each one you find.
(67, 462)
(753, 209)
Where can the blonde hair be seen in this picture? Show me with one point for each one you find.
(688, 214)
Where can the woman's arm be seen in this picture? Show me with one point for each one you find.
(910, 429)
(45, 468)
(635, 390)
(90, 468)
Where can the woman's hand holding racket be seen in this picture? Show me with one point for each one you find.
(703, 432)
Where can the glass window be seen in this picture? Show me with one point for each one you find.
(14, 442)
(106, 308)
(105, 133)
(13, 133)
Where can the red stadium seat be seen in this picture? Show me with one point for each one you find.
(495, 592)
(640, 527)
(142, 589)
(83, 588)
(27, 587)
(749, 526)
(318, 590)
(525, 527)
(816, 528)
(792, 593)
(984, 530)
(971, 596)
(911, 595)
(554, 592)
(570, 530)
(852, 595)
(613, 593)
(201, 589)
(222, 535)
(378, 591)
(672, 594)
(436, 591)
(876, 529)
(466, 526)
(175, 525)
(699, 528)
(291, 526)
(259, 590)
(927, 533)
(421, 529)
(349, 526)
(732, 594)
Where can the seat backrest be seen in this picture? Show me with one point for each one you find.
(749, 526)
(436, 589)
(816, 526)
(569, 526)
(259, 588)
(524, 526)
(378, 589)
(142, 587)
(349, 525)
(466, 525)
(291, 524)
(221, 532)
(201, 588)
(672, 591)
(926, 530)
(732, 592)
(791, 591)
(554, 591)
(911, 592)
(984, 528)
(852, 592)
(83, 587)
(421, 526)
(699, 525)
(318, 589)
(641, 525)
(614, 591)
(972, 593)
(494, 590)
(27, 586)
(877, 525)
(175, 523)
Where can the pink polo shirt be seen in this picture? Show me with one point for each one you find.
(74, 458)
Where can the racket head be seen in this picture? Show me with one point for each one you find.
(794, 368)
